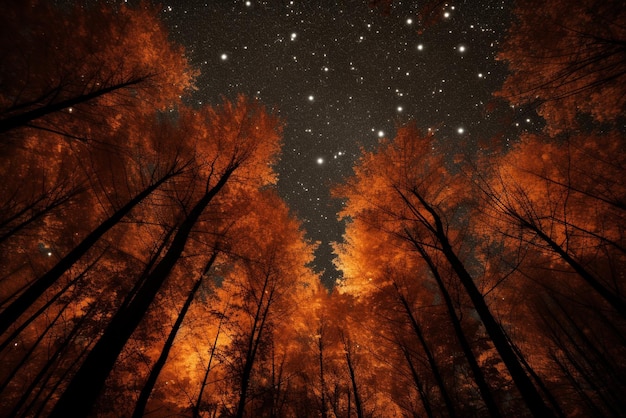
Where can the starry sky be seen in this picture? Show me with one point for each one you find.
(342, 76)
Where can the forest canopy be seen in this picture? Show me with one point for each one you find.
(149, 266)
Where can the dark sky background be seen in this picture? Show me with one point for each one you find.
(342, 75)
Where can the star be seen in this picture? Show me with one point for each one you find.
(351, 80)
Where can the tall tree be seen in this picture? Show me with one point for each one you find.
(146, 391)
(558, 204)
(553, 211)
(267, 282)
(238, 137)
(405, 186)
(28, 297)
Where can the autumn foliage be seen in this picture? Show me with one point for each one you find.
(567, 59)
(148, 265)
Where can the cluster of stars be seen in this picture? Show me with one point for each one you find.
(343, 77)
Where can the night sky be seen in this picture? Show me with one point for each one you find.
(343, 76)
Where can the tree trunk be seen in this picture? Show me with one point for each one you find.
(57, 353)
(142, 401)
(24, 361)
(355, 388)
(49, 303)
(83, 390)
(253, 345)
(527, 389)
(615, 301)
(196, 406)
(10, 315)
(23, 119)
(477, 372)
(320, 358)
(429, 355)
(418, 382)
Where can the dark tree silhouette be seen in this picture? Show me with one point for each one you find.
(405, 185)
(238, 128)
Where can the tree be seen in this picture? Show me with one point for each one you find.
(556, 204)
(553, 209)
(87, 69)
(268, 280)
(567, 60)
(404, 186)
(236, 137)
(142, 401)
(28, 297)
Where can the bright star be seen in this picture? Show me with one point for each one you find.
(224, 57)
(311, 98)
(420, 47)
(409, 21)
(460, 130)
(320, 161)
(461, 48)
(381, 134)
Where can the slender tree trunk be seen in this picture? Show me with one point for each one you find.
(82, 392)
(142, 401)
(10, 315)
(527, 389)
(33, 347)
(596, 411)
(49, 303)
(417, 329)
(52, 389)
(357, 398)
(35, 213)
(196, 406)
(25, 118)
(57, 353)
(538, 380)
(320, 357)
(258, 326)
(477, 372)
(615, 301)
(418, 382)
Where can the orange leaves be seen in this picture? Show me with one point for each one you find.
(567, 59)
(389, 200)
(87, 62)
(241, 133)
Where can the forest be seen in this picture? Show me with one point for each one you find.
(148, 266)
